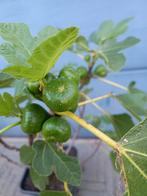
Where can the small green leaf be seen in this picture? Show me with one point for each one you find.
(53, 193)
(26, 154)
(6, 80)
(82, 43)
(103, 32)
(47, 159)
(44, 56)
(107, 31)
(112, 46)
(134, 160)
(8, 105)
(40, 182)
(116, 61)
(121, 27)
(110, 52)
(122, 123)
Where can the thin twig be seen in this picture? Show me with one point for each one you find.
(10, 147)
(9, 160)
(106, 113)
(3, 130)
(92, 154)
(94, 99)
(113, 84)
(81, 56)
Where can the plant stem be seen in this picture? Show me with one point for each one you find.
(92, 129)
(9, 127)
(8, 146)
(9, 160)
(113, 84)
(77, 131)
(94, 99)
(97, 106)
(66, 188)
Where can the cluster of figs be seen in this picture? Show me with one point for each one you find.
(59, 93)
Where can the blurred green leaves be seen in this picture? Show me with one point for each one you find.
(44, 57)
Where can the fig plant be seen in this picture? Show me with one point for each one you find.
(29, 71)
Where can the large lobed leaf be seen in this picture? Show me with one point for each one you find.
(45, 56)
(26, 156)
(134, 160)
(47, 159)
(8, 105)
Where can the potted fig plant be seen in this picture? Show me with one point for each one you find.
(30, 61)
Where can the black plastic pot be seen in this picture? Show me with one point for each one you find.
(27, 186)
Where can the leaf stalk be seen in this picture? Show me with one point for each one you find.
(9, 127)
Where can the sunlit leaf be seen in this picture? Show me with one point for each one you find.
(47, 53)
(44, 56)
(45, 33)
